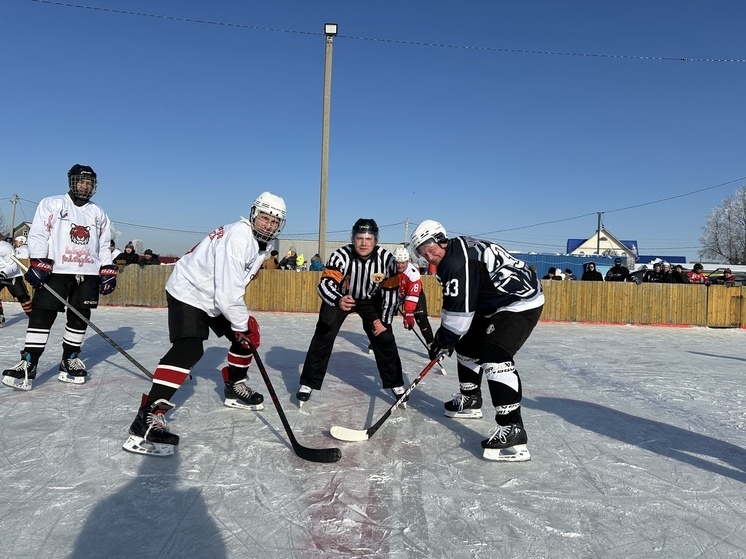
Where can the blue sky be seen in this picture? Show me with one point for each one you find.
(518, 121)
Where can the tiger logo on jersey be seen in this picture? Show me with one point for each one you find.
(377, 277)
(80, 234)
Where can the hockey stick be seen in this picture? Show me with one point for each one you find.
(88, 322)
(311, 454)
(442, 369)
(345, 434)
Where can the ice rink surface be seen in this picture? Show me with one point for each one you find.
(637, 436)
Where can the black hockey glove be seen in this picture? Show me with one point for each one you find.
(39, 272)
(4, 278)
(107, 279)
(435, 349)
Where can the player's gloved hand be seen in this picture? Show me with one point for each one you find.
(3, 277)
(251, 337)
(435, 349)
(408, 319)
(107, 279)
(39, 272)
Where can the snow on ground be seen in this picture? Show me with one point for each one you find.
(637, 435)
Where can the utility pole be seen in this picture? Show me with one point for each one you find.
(406, 231)
(598, 235)
(13, 201)
(330, 30)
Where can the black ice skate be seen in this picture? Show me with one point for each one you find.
(464, 407)
(303, 394)
(397, 391)
(72, 370)
(2, 320)
(507, 443)
(148, 432)
(239, 395)
(21, 375)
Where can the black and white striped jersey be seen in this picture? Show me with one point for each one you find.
(348, 274)
(481, 277)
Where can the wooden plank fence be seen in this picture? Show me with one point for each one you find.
(566, 301)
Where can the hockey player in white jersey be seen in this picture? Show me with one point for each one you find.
(206, 292)
(12, 278)
(69, 253)
(491, 304)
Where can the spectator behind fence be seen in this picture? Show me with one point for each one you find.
(590, 273)
(678, 275)
(552, 274)
(618, 272)
(271, 261)
(149, 259)
(316, 263)
(290, 262)
(129, 256)
(569, 276)
(727, 278)
(697, 275)
(655, 275)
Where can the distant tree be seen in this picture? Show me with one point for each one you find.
(724, 236)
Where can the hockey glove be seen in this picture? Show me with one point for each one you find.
(438, 345)
(4, 278)
(39, 272)
(251, 337)
(107, 279)
(408, 320)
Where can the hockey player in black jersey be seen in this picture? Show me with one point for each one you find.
(491, 304)
(358, 278)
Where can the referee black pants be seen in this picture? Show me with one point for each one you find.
(327, 328)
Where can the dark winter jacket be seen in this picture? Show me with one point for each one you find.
(653, 276)
(145, 261)
(591, 274)
(126, 258)
(618, 273)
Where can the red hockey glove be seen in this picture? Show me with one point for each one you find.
(107, 279)
(408, 320)
(39, 272)
(251, 338)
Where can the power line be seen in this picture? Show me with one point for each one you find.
(399, 41)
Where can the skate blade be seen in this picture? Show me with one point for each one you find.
(64, 377)
(238, 404)
(18, 383)
(138, 445)
(465, 414)
(517, 453)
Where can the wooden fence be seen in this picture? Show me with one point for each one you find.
(566, 301)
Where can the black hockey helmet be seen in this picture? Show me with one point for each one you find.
(365, 225)
(82, 173)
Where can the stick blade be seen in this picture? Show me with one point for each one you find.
(351, 435)
(323, 455)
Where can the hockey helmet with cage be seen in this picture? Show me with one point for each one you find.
(401, 254)
(428, 231)
(270, 204)
(365, 225)
(21, 240)
(82, 173)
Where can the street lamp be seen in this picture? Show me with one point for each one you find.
(330, 30)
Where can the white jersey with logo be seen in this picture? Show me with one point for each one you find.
(7, 264)
(213, 276)
(76, 237)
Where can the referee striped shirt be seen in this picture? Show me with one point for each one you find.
(348, 274)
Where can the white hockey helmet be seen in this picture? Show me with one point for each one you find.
(428, 231)
(21, 239)
(269, 204)
(401, 254)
